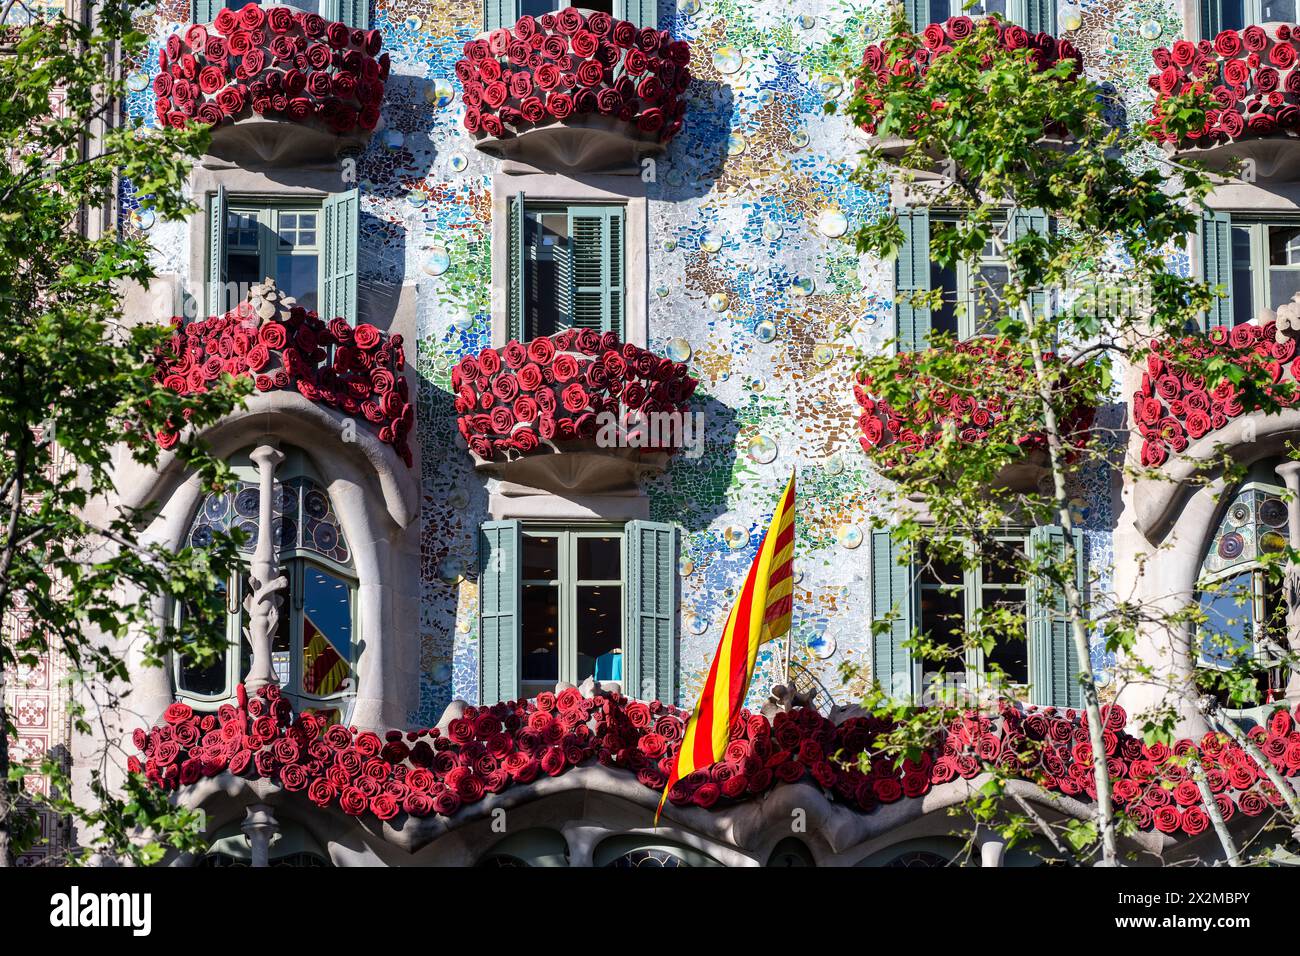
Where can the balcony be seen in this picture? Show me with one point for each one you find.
(577, 411)
(277, 86)
(281, 346)
(936, 40)
(896, 436)
(574, 90)
(1250, 73)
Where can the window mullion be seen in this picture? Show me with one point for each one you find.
(1259, 271)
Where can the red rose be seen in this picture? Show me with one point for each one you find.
(338, 35)
(575, 398)
(366, 336)
(226, 22)
(178, 712)
(560, 105)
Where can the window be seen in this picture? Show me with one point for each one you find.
(355, 13)
(1220, 15)
(1240, 600)
(313, 647)
(565, 268)
(972, 293)
(954, 597)
(1036, 16)
(564, 603)
(1257, 261)
(307, 246)
(942, 600)
(504, 13)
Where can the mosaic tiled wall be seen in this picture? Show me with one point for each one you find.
(750, 279)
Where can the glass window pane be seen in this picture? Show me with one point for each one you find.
(296, 275)
(600, 631)
(1002, 562)
(546, 244)
(281, 640)
(987, 296)
(940, 10)
(1232, 15)
(540, 634)
(242, 230)
(1229, 611)
(209, 681)
(600, 559)
(1277, 11)
(297, 228)
(990, 7)
(535, 8)
(326, 632)
(1283, 245)
(243, 269)
(541, 557)
(1243, 285)
(944, 318)
(1011, 651)
(1283, 284)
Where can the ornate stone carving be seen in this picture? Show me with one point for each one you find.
(264, 583)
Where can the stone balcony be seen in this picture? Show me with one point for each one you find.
(574, 90)
(276, 85)
(1251, 75)
(577, 411)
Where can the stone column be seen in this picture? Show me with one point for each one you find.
(264, 583)
(260, 827)
(1290, 473)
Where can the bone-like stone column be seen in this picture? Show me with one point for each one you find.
(264, 584)
(260, 827)
(1290, 473)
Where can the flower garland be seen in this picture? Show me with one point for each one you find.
(1171, 407)
(1251, 75)
(973, 419)
(489, 749)
(280, 346)
(1042, 49)
(276, 62)
(566, 64)
(556, 387)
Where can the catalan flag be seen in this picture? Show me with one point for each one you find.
(760, 614)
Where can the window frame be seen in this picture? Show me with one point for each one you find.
(619, 10)
(292, 562)
(973, 589)
(267, 213)
(1017, 13)
(1252, 13)
(567, 583)
(1261, 269)
(967, 285)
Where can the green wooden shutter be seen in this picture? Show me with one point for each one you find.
(1040, 16)
(644, 13)
(355, 13)
(498, 612)
(596, 267)
(1053, 660)
(1211, 19)
(205, 11)
(339, 275)
(216, 264)
(912, 274)
(892, 665)
(1216, 264)
(515, 268)
(917, 13)
(650, 635)
(498, 14)
(1023, 221)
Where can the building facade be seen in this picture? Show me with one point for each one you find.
(489, 233)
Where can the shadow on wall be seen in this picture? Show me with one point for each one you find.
(699, 152)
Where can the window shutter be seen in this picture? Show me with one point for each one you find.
(355, 13)
(596, 267)
(340, 267)
(1216, 264)
(1054, 662)
(650, 635)
(892, 665)
(217, 253)
(498, 14)
(644, 13)
(912, 274)
(499, 612)
(1022, 222)
(515, 268)
(205, 11)
(1211, 18)
(1040, 16)
(917, 13)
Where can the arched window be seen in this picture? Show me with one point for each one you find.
(314, 642)
(1242, 602)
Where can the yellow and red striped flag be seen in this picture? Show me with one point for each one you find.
(760, 614)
